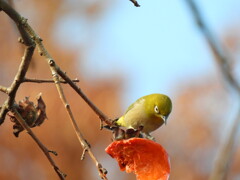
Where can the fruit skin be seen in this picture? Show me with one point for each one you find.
(146, 158)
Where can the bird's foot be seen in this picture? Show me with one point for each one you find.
(148, 136)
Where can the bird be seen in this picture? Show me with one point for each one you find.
(148, 112)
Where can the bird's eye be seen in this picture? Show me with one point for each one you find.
(156, 109)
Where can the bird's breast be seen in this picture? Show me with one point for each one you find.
(137, 116)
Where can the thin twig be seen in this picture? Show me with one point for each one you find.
(55, 73)
(225, 153)
(85, 145)
(20, 76)
(55, 69)
(222, 58)
(26, 59)
(100, 114)
(28, 35)
(19, 21)
(135, 3)
(4, 108)
(3, 112)
(4, 89)
(45, 81)
(39, 143)
(12, 90)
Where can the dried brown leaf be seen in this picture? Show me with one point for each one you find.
(41, 111)
(32, 114)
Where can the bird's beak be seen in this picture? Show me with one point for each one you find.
(164, 119)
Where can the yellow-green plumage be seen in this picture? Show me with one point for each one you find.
(149, 111)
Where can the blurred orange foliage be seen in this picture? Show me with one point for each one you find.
(191, 137)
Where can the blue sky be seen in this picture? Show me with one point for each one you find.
(154, 47)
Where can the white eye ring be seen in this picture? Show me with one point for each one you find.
(156, 109)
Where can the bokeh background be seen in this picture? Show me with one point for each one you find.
(120, 53)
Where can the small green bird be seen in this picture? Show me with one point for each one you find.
(149, 111)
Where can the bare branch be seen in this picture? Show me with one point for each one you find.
(30, 38)
(100, 114)
(39, 143)
(135, 3)
(19, 20)
(17, 81)
(222, 58)
(45, 81)
(85, 145)
(12, 90)
(20, 76)
(221, 55)
(55, 73)
(56, 70)
(26, 59)
(3, 112)
(4, 89)
(83, 142)
(225, 153)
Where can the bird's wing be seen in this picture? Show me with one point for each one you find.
(134, 104)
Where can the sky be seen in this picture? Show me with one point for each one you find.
(154, 48)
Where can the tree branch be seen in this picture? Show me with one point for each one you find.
(45, 81)
(26, 59)
(20, 76)
(4, 89)
(55, 73)
(135, 3)
(39, 143)
(19, 21)
(84, 144)
(12, 90)
(222, 58)
(56, 70)
(30, 39)
(3, 112)
(100, 114)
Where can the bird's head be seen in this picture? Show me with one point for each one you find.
(158, 105)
